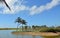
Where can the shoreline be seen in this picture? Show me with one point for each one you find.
(37, 33)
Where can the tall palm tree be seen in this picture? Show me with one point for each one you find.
(18, 20)
(5, 3)
(23, 22)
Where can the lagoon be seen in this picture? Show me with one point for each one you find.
(8, 34)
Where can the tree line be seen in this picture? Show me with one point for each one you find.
(35, 28)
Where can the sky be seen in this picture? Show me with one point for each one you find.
(35, 12)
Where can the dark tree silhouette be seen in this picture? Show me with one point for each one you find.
(20, 21)
(23, 22)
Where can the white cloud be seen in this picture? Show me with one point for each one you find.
(17, 6)
(52, 4)
(42, 8)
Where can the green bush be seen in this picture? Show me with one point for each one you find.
(43, 29)
(49, 30)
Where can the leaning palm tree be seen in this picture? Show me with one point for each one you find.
(18, 20)
(23, 22)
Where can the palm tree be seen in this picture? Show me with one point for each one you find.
(33, 27)
(26, 28)
(23, 22)
(18, 20)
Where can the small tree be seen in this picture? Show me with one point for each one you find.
(33, 27)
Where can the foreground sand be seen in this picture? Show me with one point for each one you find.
(38, 33)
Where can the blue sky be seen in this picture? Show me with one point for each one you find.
(35, 12)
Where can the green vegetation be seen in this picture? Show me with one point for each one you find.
(34, 28)
(43, 29)
(8, 28)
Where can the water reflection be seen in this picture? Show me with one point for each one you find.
(28, 36)
(33, 36)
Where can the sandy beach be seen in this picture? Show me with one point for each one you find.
(38, 33)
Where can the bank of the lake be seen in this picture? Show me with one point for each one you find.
(8, 28)
(38, 33)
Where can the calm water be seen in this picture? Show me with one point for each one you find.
(8, 34)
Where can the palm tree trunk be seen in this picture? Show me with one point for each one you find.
(22, 27)
(17, 27)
